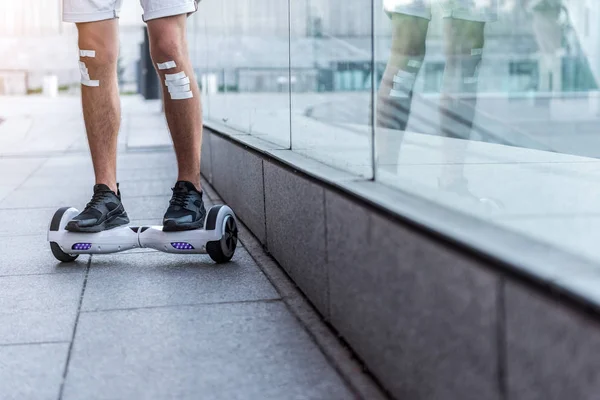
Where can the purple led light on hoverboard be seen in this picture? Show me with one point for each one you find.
(81, 246)
(182, 246)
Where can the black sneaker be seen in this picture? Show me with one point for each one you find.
(186, 210)
(105, 211)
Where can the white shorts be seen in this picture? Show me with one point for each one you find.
(469, 10)
(99, 10)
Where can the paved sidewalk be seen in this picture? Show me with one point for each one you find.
(138, 325)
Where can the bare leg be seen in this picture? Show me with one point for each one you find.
(396, 90)
(184, 117)
(101, 107)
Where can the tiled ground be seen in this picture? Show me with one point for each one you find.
(143, 325)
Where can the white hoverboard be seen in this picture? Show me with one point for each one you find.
(218, 239)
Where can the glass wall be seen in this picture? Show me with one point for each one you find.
(242, 53)
(487, 107)
(332, 59)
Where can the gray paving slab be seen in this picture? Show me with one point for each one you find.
(157, 221)
(146, 207)
(38, 308)
(146, 159)
(16, 170)
(60, 196)
(18, 222)
(143, 188)
(149, 173)
(225, 351)
(5, 190)
(67, 178)
(125, 161)
(47, 198)
(149, 211)
(158, 279)
(32, 371)
(22, 255)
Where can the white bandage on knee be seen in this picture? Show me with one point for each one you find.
(403, 84)
(470, 70)
(174, 77)
(414, 63)
(85, 75)
(87, 53)
(178, 84)
(167, 65)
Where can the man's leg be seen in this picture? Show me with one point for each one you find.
(395, 94)
(101, 107)
(99, 50)
(184, 115)
(168, 47)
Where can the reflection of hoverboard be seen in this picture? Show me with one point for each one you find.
(218, 239)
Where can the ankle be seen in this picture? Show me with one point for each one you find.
(195, 182)
(111, 186)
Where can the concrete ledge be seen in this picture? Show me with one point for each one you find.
(430, 318)
(552, 350)
(295, 214)
(239, 175)
(421, 315)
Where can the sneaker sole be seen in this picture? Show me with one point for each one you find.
(173, 226)
(112, 222)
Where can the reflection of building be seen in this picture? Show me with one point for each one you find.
(584, 17)
(331, 44)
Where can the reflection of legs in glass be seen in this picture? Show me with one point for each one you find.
(464, 48)
(395, 92)
(548, 33)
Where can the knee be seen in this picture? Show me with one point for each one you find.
(167, 47)
(408, 46)
(106, 52)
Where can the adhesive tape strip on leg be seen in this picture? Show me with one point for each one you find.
(82, 67)
(175, 77)
(178, 82)
(88, 82)
(167, 65)
(403, 84)
(404, 77)
(476, 52)
(179, 89)
(182, 96)
(87, 53)
(85, 76)
(414, 63)
(399, 94)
